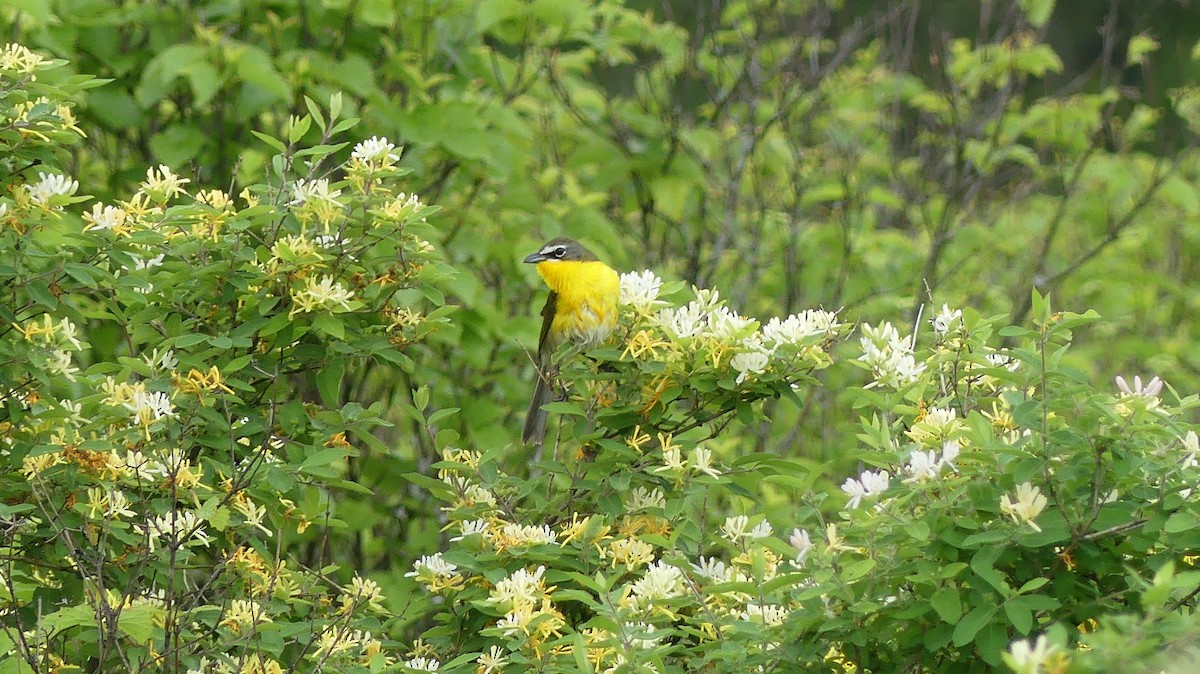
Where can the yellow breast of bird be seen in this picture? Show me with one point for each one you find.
(588, 293)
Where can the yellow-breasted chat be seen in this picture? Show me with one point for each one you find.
(581, 309)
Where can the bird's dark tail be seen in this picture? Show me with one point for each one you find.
(535, 419)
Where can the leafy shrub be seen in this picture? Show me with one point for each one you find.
(1002, 498)
(171, 367)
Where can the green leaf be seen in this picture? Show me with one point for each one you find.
(947, 604)
(330, 325)
(970, 625)
(41, 294)
(1019, 615)
(329, 382)
(324, 457)
(1037, 12)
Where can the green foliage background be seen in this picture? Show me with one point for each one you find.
(877, 159)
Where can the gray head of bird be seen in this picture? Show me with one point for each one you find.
(559, 249)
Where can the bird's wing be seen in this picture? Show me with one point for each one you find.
(545, 347)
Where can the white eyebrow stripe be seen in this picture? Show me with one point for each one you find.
(550, 249)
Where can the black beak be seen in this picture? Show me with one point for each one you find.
(534, 257)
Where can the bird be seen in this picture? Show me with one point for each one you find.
(581, 309)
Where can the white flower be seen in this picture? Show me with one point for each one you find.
(161, 361)
(471, 527)
(49, 186)
(522, 587)
(798, 327)
(149, 407)
(304, 191)
(105, 217)
(870, 483)
(725, 324)
(176, 527)
(423, 664)
(672, 460)
(492, 661)
(946, 320)
(928, 465)
(322, 293)
(161, 184)
(735, 527)
(803, 544)
(713, 569)
(434, 564)
(1029, 504)
(643, 499)
(766, 614)
(889, 356)
(661, 581)
(760, 530)
(640, 290)
(749, 362)
(375, 150)
(684, 322)
(59, 363)
(1026, 657)
(1151, 389)
(702, 462)
(1191, 446)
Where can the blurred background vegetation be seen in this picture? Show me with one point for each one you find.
(872, 157)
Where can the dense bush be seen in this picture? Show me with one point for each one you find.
(170, 365)
(237, 407)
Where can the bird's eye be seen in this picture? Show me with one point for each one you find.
(559, 251)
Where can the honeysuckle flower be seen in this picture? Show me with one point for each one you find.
(422, 664)
(702, 462)
(177, 527)
(375, 150)
(1150, 390)
(766, 614)
(146, 407)
(889, 356)
(161, 184)
(49, 186)
(304, 191)
(760, 530)
(20, 59)
(471, 527)
(105, 218)
(522, 587)
(629, 552)
(735, 527)
(1029, 657)
(928, 465)
(323, 293)
(59, 363)
(803, 544)
(936, 426)
(660, 581)
(683, 322)
(363, 591)
(749, 362)
(713, 569)
(870, 483)
(403, 207)
(639, 290)
(644, 499)
(798, 327)
(1191, 448)
(491, 662)
(946, 320)
(1028, 505)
